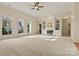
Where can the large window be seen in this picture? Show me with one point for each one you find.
(6, 25)
(21, 25)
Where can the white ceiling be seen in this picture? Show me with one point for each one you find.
(50, 8)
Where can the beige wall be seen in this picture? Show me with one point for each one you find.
(75, 22)
(6, 11)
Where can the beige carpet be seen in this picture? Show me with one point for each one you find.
(37, 46)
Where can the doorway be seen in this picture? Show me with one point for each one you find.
(66, 27)
(40, 30)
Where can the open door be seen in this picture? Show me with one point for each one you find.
(66, 27)
(40, 26)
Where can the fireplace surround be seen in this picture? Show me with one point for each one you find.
(49, 32)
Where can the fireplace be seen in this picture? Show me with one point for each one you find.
(49, 32)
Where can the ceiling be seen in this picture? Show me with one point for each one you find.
(50, 8)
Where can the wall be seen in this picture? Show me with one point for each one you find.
(75, 31)
(15, 14)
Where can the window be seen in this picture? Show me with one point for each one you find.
(6, 25)
(20, 25)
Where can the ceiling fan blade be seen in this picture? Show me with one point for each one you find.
(36, 3)
(40, 6)
(32, 8)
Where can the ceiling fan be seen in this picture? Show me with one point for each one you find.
(36, 6)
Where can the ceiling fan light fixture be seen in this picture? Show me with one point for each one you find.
(36, 6)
